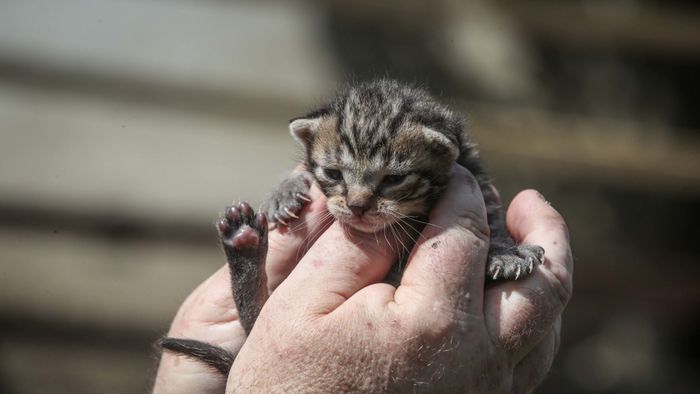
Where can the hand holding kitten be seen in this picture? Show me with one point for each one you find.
(209, 313)
(332, 326)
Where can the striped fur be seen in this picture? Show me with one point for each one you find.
(393, 145)
(388, 148)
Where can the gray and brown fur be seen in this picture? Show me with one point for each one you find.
(381, 152)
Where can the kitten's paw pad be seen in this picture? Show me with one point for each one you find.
(514, 264)
(241, 230)
(286, 203)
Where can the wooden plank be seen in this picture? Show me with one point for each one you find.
(80, 153)
(100, 157)
(636, 26)
(37, 365)
(77, 279)
(643, 28)
(623, 153)
(249, 47)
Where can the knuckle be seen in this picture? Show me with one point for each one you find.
(474, 224)
(559, 289)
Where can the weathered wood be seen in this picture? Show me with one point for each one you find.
(626, 154)
(80, 153)
(251, 48)
(640, 27)
(655, 29)
(77, 278)
(41, 365)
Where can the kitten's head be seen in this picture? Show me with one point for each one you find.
(380, 152)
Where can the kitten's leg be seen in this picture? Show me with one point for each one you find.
(244, 238)
(286, 202)
(506, 259)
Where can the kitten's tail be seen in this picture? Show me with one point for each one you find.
(214, 356)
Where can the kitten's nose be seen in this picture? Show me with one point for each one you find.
(358, 210)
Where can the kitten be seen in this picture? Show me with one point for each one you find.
(381, 152)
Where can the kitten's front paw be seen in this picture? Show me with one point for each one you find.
(243, 233)
(287, 201)
(513, 263)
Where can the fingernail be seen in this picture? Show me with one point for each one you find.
(543, 199)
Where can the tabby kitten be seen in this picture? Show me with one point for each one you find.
(381, 152)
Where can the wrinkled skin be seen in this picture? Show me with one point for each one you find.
(209, 313)
(333, 326)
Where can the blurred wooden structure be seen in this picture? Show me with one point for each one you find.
(126, 126)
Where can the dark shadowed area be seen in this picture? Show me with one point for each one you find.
(125, 126)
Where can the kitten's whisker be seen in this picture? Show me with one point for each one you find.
(398, 237)
(419, 233)
(400, 223)
(414, 219)
(395, 237)
(319, 216)
(322, 222)
(387, 240)
(402, 197)
(411, 237)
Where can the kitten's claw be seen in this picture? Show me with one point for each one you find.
(513, 262)
(290, 213)
(303, 197)
(280, 221)
(285, 204)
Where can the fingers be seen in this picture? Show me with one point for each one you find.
(446, 268)
(520, 314)
(531, 219)
(208, 314)
(285, 248)
(338, 265)
(532, 370)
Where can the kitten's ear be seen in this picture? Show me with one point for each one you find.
(441, 143)
(304, 129)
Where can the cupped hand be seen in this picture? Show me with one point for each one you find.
(333, 326)
(209, 313)
(525, 316)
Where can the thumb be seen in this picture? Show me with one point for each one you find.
(447, 265)
(337, 266)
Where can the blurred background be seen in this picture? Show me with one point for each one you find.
(125, 126)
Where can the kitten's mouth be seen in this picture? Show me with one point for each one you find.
(369, 222)
(366, 224)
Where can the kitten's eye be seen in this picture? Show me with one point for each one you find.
(335, 175)
(391, 180)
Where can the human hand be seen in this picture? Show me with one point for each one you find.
(209, 313)
(525, 316)
(332, 326)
